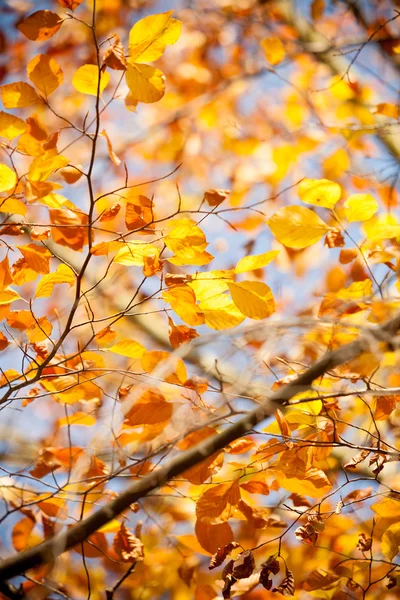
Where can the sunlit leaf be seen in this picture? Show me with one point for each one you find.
(149, 37)
(11, 126)
(128, 348)
(45, 73)
(320, 192)
(360, 207)
(274, 50)
(257, 261)
(8, 178)
(18, 95)
(146, 83)
(40, 25)
(297, 226)
(89, 80)
(253, 298)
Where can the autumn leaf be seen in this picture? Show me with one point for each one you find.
(320, 192)
(149, 37)
(274, 50)
(297, 227)
(45, 73)
(89, 80)
(360, 207)
(253, 298)
(40, 25)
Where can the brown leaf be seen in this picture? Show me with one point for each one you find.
(212, 537)
(307, 534)
(128, 547)
(220, 555)
(334, 239)
(286, 588)
(357, 459)
(244, 565)
(364, 543)
(180, 334)
(114, 57)
(214, 197)
(270, 566)
(357, 495)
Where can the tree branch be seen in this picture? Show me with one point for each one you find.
(49, 550)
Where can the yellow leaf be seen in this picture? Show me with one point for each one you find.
(8, 178)
(356, 291)
(62, 274)
(256, 261)
(320, 192)
(188, 242)
(253, 298)
(86, 80)
(78, 418)
(175, 367)
(220, 312)
(274, 50)
(40, 25)
(45, 73)
(183, 301)
(146, 83)
(390, 543)
(7, 296)
(387, 507)
(11, 126)
(133, 253)
(149, 37)
(312, 483)
(211, 283)
(44, 165)
(381, 228)
(297, 226)
(13, 205)
(18, 95)
(128, 348)
(360, 207)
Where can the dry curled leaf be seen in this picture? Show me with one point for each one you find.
(286, 588)
(127, 546)
(218, 558)
(114, 57)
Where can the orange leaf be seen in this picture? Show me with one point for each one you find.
(40, 25)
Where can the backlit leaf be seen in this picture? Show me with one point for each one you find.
(86, 80)
(360, 207)
(253, 298)
(8, 178)
(11, 126)
(45, 73)
(149, 37)
(146, 83)
(128, 348)
(297, 227)
(18, 95)
(40, 25)
(62, 274)
(274, 50)
(256, 261)
(133, 253)
(391, 541)
(320, 192)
